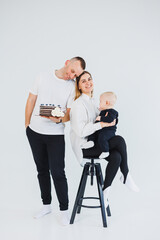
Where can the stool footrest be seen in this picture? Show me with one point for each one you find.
(90, 198)
(88, 206)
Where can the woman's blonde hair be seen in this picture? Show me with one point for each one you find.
(78, 92)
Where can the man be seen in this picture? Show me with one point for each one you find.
(46, 135)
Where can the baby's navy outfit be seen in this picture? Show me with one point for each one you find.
(102, 136)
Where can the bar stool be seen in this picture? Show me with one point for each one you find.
(90, 169)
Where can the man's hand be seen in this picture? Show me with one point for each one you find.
(53, 119)
(58, 119)
(103, 124)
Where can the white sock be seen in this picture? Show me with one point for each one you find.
(46, 209)
(88, 144)
(105, 195)
(104, 155)
(64, 217)
(130, 183)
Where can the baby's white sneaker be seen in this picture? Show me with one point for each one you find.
(130, 183)
(46, 209)
(104, 155)
(88, 144)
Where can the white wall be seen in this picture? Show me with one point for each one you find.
(120, 42)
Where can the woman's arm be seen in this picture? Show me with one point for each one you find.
(80, 122)
(103, 124)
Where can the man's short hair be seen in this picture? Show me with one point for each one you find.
(82, 62)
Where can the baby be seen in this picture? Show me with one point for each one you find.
(107, 114)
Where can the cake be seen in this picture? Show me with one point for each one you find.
(49, 110)
(57, 112)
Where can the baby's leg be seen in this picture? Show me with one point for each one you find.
(92, 137)
(104, 145)
(90, 142)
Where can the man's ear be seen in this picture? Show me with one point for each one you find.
(107, 102)
(67, 62)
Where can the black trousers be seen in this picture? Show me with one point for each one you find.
(48, 153)
(117, 158)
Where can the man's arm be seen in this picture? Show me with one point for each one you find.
(66, 117)
(29, 108)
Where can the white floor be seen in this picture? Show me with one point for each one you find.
(134, 216)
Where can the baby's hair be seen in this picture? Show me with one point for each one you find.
(111, 96)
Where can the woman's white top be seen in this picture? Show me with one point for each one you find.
(82, 117)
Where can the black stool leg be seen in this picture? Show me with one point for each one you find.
(102, 183)
(92, 171)
(92, 174)
(101, 195)
(79, 193)
(100, 174)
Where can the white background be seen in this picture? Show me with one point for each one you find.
(120, 42)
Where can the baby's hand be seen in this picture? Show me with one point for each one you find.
(98, 118)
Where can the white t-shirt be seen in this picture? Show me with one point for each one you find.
(50, 90)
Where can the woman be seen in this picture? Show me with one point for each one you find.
(82, 116)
